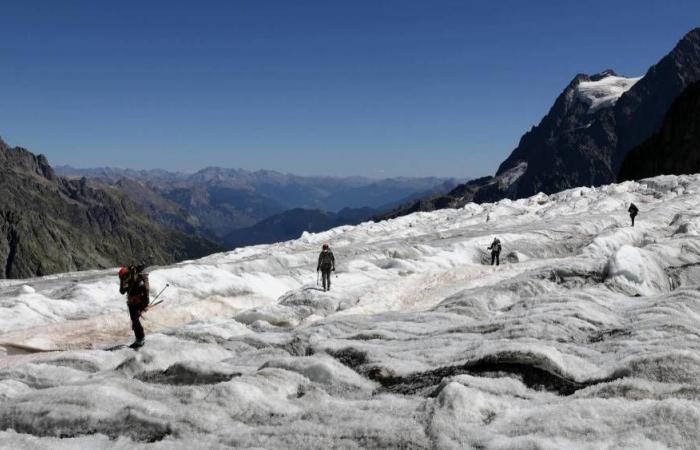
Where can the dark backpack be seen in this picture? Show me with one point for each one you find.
(138, 289)
(325, 260)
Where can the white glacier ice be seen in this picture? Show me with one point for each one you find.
(604, 92)
(587, 336)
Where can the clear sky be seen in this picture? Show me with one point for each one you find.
(354, 87)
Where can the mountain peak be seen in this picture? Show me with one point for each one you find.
(584, 77)
(22, 159)
(604, 74)
(692, 35)
(597, 119)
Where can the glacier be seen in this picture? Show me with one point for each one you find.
(586, 336)
(604, 92)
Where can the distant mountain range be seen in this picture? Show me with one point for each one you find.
(50, 224)
(585, 136)
(291, 224)
(223, 204)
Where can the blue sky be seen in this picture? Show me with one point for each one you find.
(375, 88)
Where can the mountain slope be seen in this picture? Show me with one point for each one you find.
(571, 146)
(639, 113)
(49, 224)
(675, 148)
(578, 144)
(479, 190)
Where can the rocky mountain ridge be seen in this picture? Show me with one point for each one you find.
(49, 224)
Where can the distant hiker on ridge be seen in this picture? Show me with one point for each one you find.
(633, 210)
(495, 248)
(134, 283)
(326, 264)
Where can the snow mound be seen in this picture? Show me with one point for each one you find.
(684, 223)
(326, 371)
(637, 272)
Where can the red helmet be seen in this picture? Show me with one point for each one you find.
(123, 271)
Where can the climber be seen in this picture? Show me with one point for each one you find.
(495, 248)
(326, 264)
(134, 282)
(633, 210)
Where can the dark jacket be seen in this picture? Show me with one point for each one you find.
(633, 210)
(136, 286)
(495, 246)
(326, 261)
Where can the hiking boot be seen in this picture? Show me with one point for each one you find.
(138, 343)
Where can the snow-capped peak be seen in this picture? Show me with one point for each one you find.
(605, 91)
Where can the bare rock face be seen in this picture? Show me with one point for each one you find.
(49, 224)
(640, 111)
(675, 148)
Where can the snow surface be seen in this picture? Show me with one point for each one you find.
(604, 92)
(587, 336)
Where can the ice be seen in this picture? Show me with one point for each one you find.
(604, 92)
(586, 336)
(327, 371)
(637, 271)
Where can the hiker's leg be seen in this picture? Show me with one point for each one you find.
(135, 314)
(327, 277)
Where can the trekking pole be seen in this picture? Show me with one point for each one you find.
(161, 291)
(318, 274)
(153, 302)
